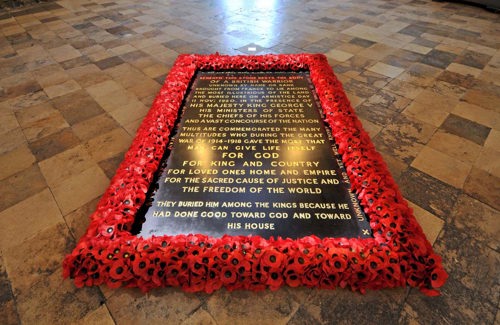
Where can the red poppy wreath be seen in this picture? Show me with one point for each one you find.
(395, 255)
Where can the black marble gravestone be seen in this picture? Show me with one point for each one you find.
(252, 156)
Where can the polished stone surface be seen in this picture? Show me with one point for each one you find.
(77, 77)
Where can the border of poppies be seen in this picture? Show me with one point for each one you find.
(397, 255)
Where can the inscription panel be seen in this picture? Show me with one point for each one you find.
(252, 157)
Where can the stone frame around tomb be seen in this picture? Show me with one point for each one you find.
(397, 255)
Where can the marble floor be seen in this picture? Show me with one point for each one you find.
(77, 77)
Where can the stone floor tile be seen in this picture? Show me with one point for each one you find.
(455, 146)
(40, 121)
(65, 164)
(78, 220)
(62, 89)
(8, 118)
(442, 166)
(41, 295)
(11, 140)
(386, 70)
(493, 140)
(484, 187)
(20, 186)
(431, 225)
(486, 117)
(79, 189)
(15, 161)
(482, 98)
(97, 125)
(404, 137)
(404, 89)
(71, 105)
(50, 75)
(463, 69)
(338, 55)
(63, 53)
(108, 145)
(489, 161)
(53, 144)
(473, 59)
(424, 112)
(199, 317)
(417, 48)
(99, 316)
(27, 218)
(240, 307)
(170, 306)
(478, 220)
(438, 58)
(419, 74)
(133, 110)
(466, 128)
(8, 311)
(110, 165)
(328, 307)
(429, 193)
(88, 75)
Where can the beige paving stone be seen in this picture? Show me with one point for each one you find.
(64, 53)
(447, 89)
(377, 51)
(104, 88)
(92, 127)
(482, 98)
(154, 70)
(431, 225)
(492, 77)
(200, 317)
(66, 164)
(79, 189)
(464, 69)
(11, 140)
(442, 167)
(242, 307)
(489, 161)
(372, 128)
(493, 140)
(79, 220)
(338, 55)
(478, 220)
(426, 113)
(40, 121)
(487, 117)
(42, 296)
(417, 48)
(386, 70)
(27, 218)
(62, 89)
(9, 121)
(132, 127)
(15, 161)
(166, 306)
(50, 75)
(455, 146)
(88, 75)
(108, 144)
(404, 89)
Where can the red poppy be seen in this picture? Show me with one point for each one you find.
(228, 275)
(271, 258)
(119, 271)
(274, 279)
